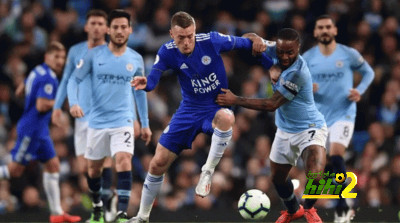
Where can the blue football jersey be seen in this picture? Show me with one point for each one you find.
(111, 97)
(202, 73)
(41, 83)
(295, 84)
(334, 76)
(75, 55)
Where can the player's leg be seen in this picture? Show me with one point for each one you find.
(47, 155)
(282, 159)
(107, 195)
(159, 164)
(312, 146)
(222, 124)
(98, 141)
(122, 147)
(24, 145)
(340, 134)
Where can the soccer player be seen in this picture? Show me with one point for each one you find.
(331, 65)
(96, 28)
(301, 129)
(196, 60)
(33, 141)
(110, 69)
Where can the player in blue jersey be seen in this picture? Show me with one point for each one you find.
(96, 28)
(196, 60)
(33, 141)
(110, 133)
(331, 65)
(301, 129)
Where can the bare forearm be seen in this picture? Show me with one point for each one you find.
(256, 103)
(251, 36)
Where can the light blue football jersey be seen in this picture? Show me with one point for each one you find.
(334, 76)
(42, 82)
(111, 95)
(295, 84)
(202, 73)
(75, 54)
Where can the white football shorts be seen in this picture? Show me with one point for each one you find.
(80, 137)
(341, 132)
(287, 147)
(108, 142)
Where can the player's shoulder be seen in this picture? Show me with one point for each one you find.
(200, 37)
(133, 53)
(44, 72)
(78, 46)
(346, 49)
(168, 46)
(310, 52)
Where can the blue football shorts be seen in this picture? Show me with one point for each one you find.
(29, 148)
(185, 125)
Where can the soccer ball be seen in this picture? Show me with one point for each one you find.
(254, 205)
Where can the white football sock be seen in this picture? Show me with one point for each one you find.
(151, 187)
(4, 172)
(52, 189)
(219, 142)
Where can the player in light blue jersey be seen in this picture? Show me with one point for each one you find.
(33, 141)
(110, 133)
(195, 59)
(331, 65)
(301, 129)
(96, 29)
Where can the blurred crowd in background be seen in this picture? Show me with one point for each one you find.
(370, 26)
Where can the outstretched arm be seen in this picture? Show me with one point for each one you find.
(270, 104)
(259, 45)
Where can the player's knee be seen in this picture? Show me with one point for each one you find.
(158, 166)
(123, 162)
(224, 119)
(16, 172)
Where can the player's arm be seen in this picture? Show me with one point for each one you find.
(44, 105)
(160, 65)
(142, 107)
(62, 90)
(359, 64)
(224, 43)
(83, 69)
(265, 104)
(45, 96)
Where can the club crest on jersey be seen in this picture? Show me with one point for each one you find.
(339, 63)
(206, 60)
(48, 88)
(129, 67)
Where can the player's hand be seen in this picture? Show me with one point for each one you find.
(226, 99)
(19, 92)
(76, 111)
(139, 82)
(146, 135)
(258, 46)
(274, 74)
(354, 95)
(56, 117)
(315, 87)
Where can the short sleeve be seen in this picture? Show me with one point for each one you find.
(47, 89)
(289, 85)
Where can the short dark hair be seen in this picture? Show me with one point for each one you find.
(289, 34)
(182, 19)
(55, 46)
(96, 12)
(325, 16)
(118, 13)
